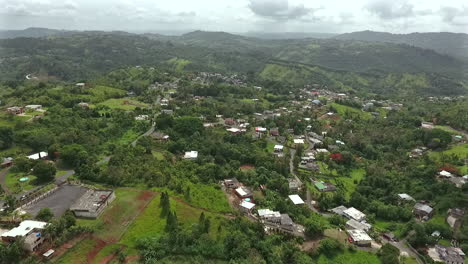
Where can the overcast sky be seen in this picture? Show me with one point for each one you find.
(333, 16)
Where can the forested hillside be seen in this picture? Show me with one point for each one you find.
(350, 65)
(453, 44)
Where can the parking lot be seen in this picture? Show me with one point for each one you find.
(59, 201)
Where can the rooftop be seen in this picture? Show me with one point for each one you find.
(39, 155)
(25, 228)
(296, 199)
(91, 200)
(298, 141)
(359, 235)
(268, 213)
(191, 155)
(247, 205)
(354, 214)
(423, 207)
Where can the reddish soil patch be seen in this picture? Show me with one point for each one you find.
(247, 167)
(131, 259)
(145, 196)
(100, 244)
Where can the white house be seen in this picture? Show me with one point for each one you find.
(30, 231)
(296, 199)
(359, 237)
(353, 213)
(246, 207)
(191, 155)
(40, 155)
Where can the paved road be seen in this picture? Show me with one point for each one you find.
(153, 126)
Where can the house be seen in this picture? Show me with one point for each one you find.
(40, 155)
(141, 117)
(274, 132)
(294, 185)
(269, 216)
(191, 155)
(390, 237)
(353, 213)
(353, 224)
(33, 107)
(243, 192)
(229, 122)
(445, 174)
(324, 186)
(83, 105)
(31, 233)
(234, 130)
(339, 210)
(278, 148)
(231, 183)
(7, 162)
(427, 125)
(246, 206)
(296, 199)
(15, 110)
(80, 85)
(455, 217)
(167, 112)
(405, 197)
(448, 255)
(298, 141)
(160, 136)
(260, 129)
(458, 181)
(423, 211)
(92, 203)
(359, 237)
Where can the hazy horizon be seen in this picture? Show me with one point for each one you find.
(270, 16)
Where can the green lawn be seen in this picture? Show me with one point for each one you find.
(101, 93)
(408, 261)
(7, 120)
(461, 151)
(350, 257)
(60, 173)
(111, 224)
(150, 223)
(270, 146)
(343, 109)
(119, 103)
(15, 186)
(77, 254)
(348, 184)
(447, 129)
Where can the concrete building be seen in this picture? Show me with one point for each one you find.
(353, 213)
(339, 210)
(405, 197)
(447, 255)
(15, 110)
(359, 237)
(455, 217)
(296, 199)
(269, 216)
(231, 183)
(92, 203)
(423, 211)
(353, 224)
(246, 207)
(243, 192)
(28, 230)
(37, 156)
(33, 107)
(191, 155)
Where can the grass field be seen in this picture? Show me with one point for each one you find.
(109, 227)
(343, 109)
(350, 257)
(348, 184)
(150, 224)
(447, 129)
(461, 151)
(128, 137)
(209, 197)
(119, 103)
(7, 120)
(101, 93)
(15, 186)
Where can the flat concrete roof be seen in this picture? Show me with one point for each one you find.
(91, 201)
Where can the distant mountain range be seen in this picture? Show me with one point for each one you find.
(353, 63)
(453, 44)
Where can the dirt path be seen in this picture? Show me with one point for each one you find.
(3, 174)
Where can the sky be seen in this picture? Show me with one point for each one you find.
(238, 16)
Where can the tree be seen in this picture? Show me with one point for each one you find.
(164, 204)
(389, 254)
(44, 171)
(45, 214)
(171, 222)
(6, 137)
(73, 155)
(329, 246)
(10, 201)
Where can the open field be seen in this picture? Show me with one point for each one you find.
(15, 186)
(7, 120)
(109, 226)
(461, 151)
(350, 257)
(123, 103)
(101, 93)
(150, 223)
(343, 110)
